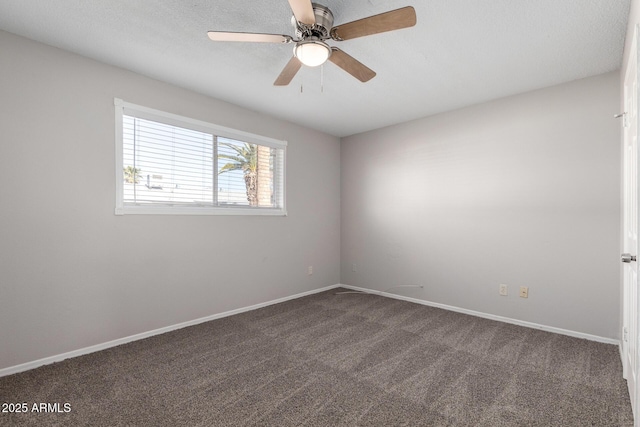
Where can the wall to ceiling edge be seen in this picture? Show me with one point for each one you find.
(522, 191)
(74, 275)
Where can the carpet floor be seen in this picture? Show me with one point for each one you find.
(332, 360)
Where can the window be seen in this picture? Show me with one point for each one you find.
(168, 164)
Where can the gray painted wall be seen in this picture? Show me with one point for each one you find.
(522, 191)
(72, 274)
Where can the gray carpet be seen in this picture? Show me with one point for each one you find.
(330, 360)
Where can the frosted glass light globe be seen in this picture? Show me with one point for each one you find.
(312, 53)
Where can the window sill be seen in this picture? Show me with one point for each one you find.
(187, 210)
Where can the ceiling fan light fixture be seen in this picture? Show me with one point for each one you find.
(312, 53)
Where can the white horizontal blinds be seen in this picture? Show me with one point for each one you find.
(173, 165)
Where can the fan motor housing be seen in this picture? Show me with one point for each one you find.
(322, 27)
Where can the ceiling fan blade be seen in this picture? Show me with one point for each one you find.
(303, 11)
(351, 65)
(388, 21)
(222, 36)
(289, 72)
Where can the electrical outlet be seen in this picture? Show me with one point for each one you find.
(503, 290)
(524, 292)
(354, 268)
(310, 270)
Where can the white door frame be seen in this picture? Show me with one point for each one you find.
(629, 240)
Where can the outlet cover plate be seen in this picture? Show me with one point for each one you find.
(504, 290)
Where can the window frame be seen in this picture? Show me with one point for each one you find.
(125, 108)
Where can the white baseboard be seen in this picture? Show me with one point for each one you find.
(91, 349)
(490, 316)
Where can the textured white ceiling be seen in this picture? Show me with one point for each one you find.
(461, 52)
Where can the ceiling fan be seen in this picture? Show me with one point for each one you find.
(313, 24)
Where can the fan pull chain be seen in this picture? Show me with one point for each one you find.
(322, 79)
